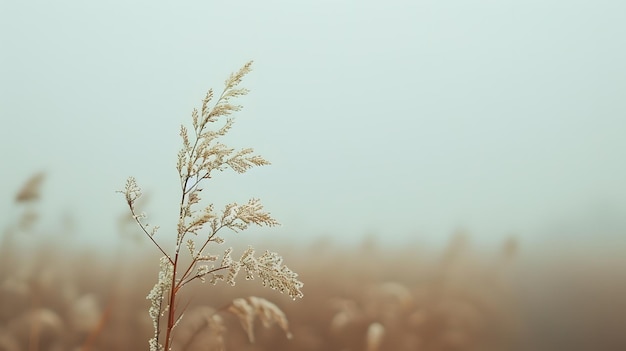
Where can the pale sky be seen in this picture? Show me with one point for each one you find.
(403, 119)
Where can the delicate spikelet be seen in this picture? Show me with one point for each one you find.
(131, 191)
(240, 163)
(277, 276)
(249, 263)
(205, 109)
(236, 78)
(199, 221)
(269, 267)
(233, 267)
(252, 212)
(239, 217)
(191, 246)
(156, 300)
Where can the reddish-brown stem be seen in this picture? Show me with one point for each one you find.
(171, 315)
(195, 259)
(174, 286)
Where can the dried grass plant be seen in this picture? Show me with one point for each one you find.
(200, 227)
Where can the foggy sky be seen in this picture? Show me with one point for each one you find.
(402, 119)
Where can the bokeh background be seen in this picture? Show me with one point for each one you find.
(399, 118)
(395, 124)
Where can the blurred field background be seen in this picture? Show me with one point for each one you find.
(369, 296)
(449, 174)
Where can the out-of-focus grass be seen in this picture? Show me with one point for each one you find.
(55, 297)
(456, 299)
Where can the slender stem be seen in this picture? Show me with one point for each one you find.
(197, 256)
(136, 217)
(172, 310)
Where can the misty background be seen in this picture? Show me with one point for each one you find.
(406, 120)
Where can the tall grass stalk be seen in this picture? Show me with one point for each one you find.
(200, 226)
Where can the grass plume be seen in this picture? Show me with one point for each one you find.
(200, 226)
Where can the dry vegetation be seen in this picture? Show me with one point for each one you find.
(55, 298)
(201, 230)
(357, 299)
(360, 298)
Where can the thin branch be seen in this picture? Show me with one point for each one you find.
(197, 256)
(181, 284)
(136, 218)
